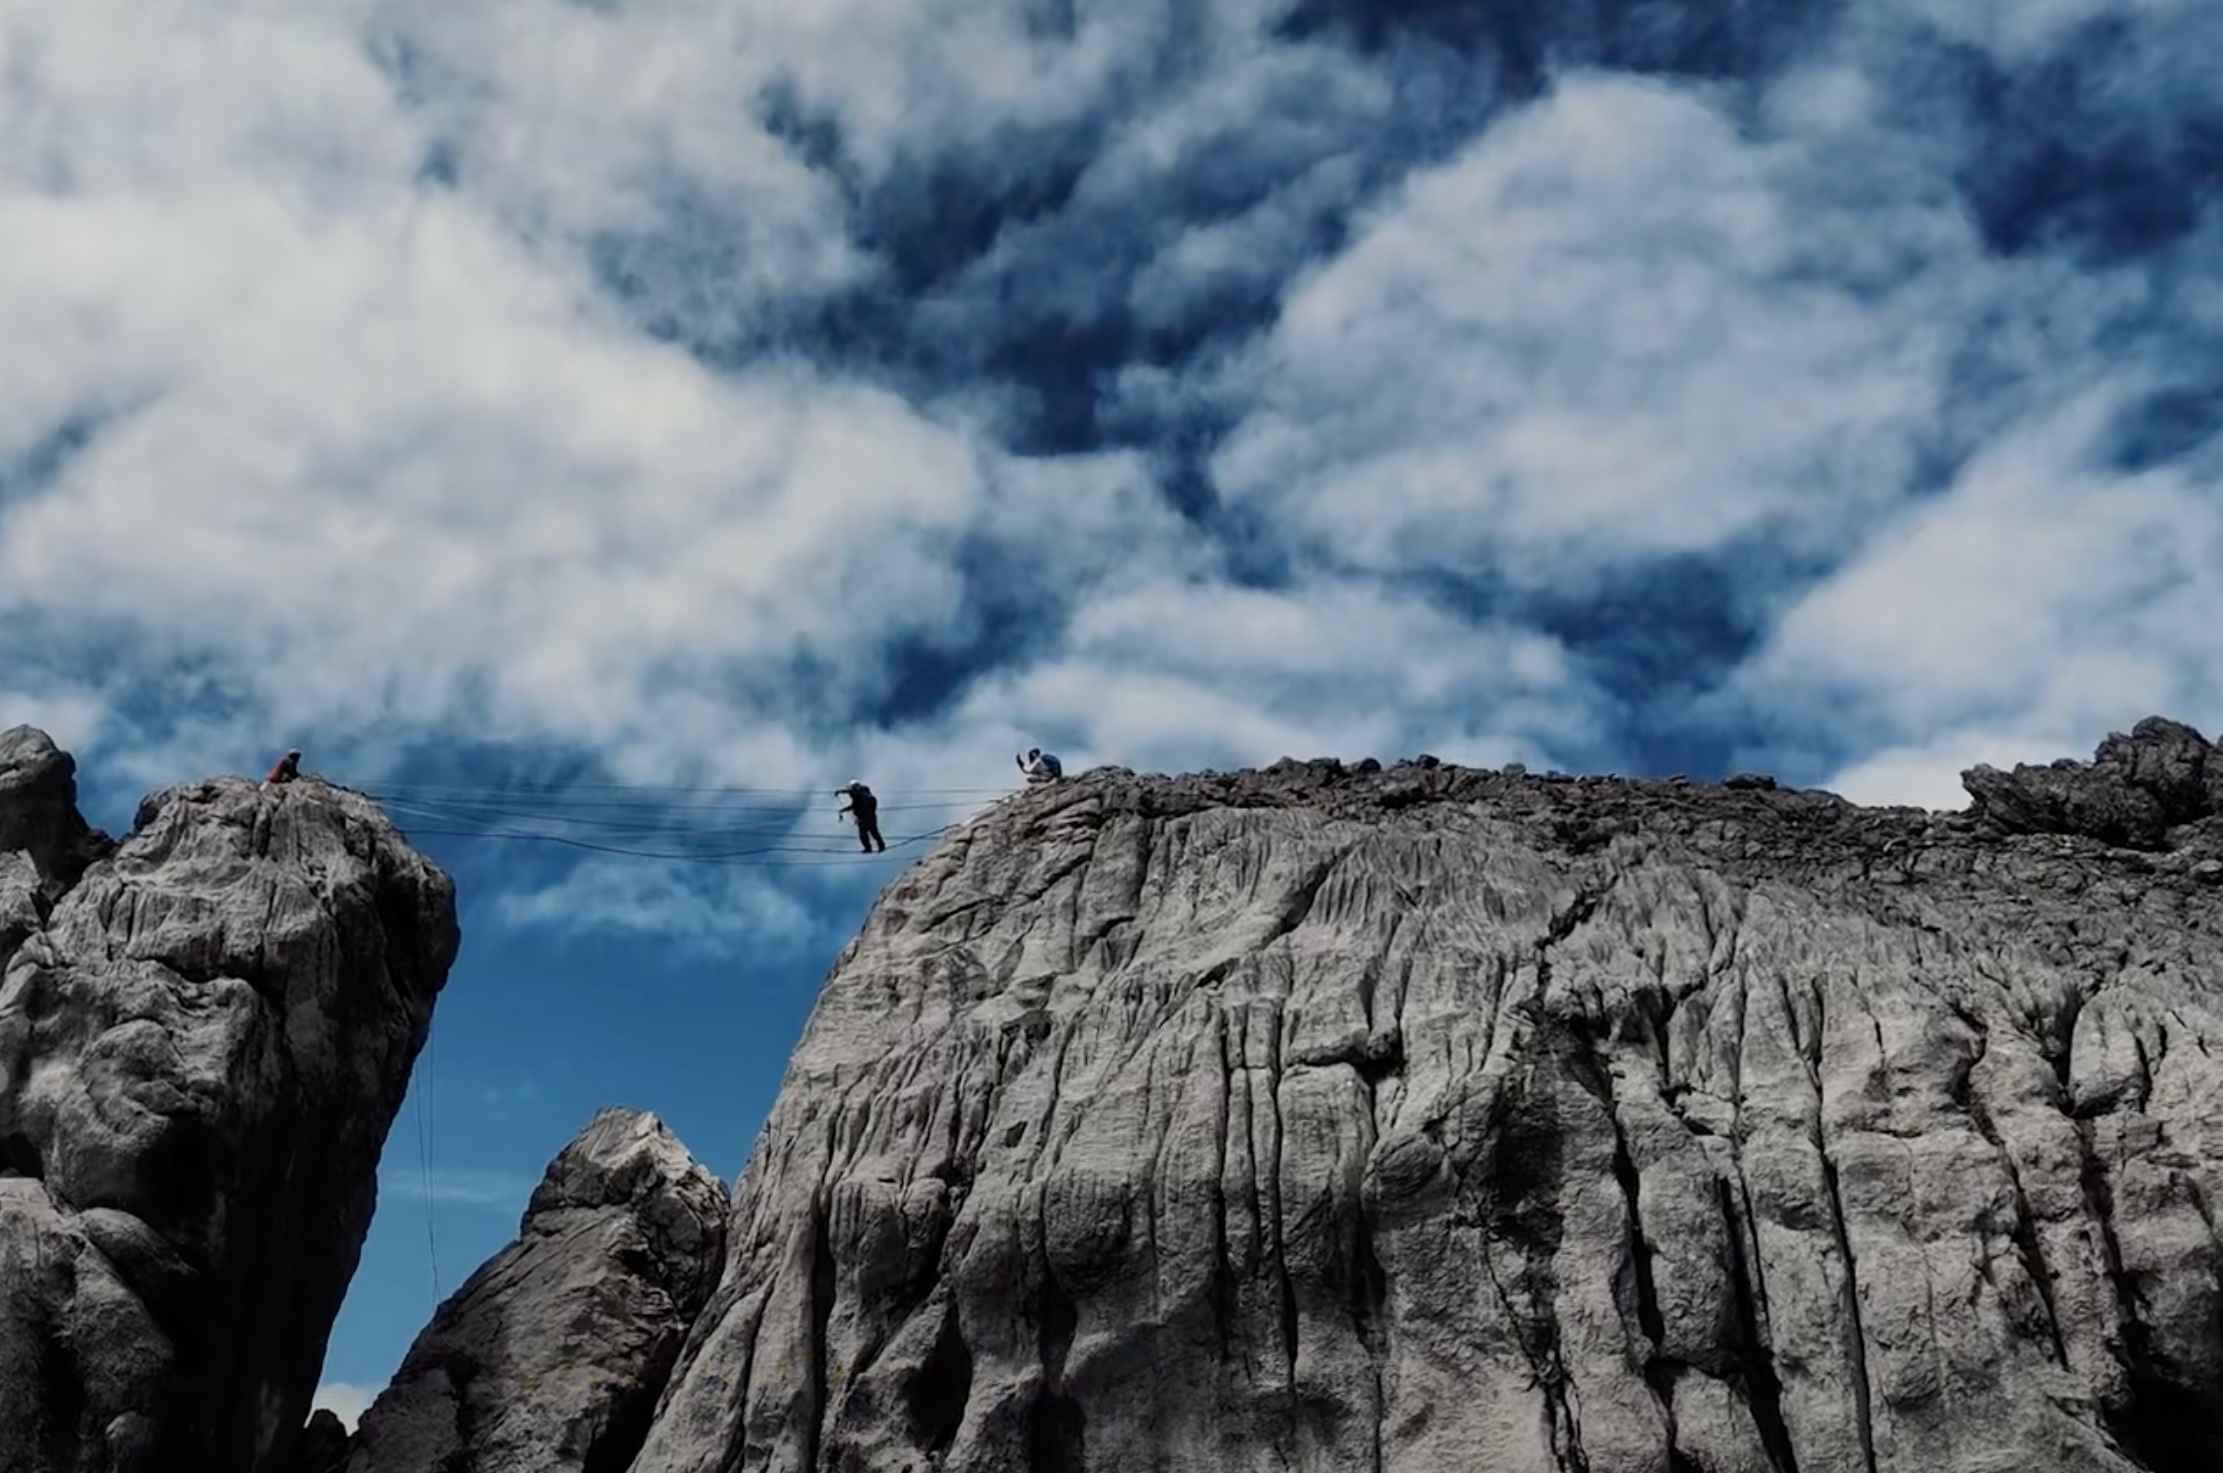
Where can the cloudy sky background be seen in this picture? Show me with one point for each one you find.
(760, 394)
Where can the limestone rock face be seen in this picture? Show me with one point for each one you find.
(1424, 1119)
(551, 1356)
(203, 1038)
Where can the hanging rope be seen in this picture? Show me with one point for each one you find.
(674, 824)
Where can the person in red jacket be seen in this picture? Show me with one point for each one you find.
(288, 768)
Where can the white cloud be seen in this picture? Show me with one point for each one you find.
(1613, 328)
(497, 1191)
(379, 456)
(1176, 675)
(2042, 600)
(1928, 774)
(69, 714)
(345, 1400)
(700, 908)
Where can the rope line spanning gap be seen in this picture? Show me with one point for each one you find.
(557, 792)
(466, 805)
(622, 816)
(828, 858)
(491, 799)
(602, 826)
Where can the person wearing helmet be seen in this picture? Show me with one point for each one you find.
(866, 808)
(1039, 766)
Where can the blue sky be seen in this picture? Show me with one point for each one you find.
(756, 394)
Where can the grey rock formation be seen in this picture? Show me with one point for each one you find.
(203, 1038)
(2137, 788)
(44, 844)
(1428, 1119)
(323, 1445)
(552, 1355)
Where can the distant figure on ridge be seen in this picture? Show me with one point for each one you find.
(1040, 766)
(867, 810)
(288, 768)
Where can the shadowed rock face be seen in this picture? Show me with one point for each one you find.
(2134, 791)
(44, 844)
(1427, 1119)
(552, 1355)
(203, 1038)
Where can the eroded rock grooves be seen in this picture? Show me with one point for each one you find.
(1424, 1119)
(204, 1034)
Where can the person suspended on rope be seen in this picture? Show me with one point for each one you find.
(1040, 766)
(287, 769)
(867, 811)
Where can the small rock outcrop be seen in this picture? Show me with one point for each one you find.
(323, 1445)
(44, 844)
(2134, 791)
(204, 1035)
(552, 1355)
(1420, 1119)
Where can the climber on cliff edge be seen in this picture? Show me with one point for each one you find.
(867, 811)
(1039, 766)
(287, 769)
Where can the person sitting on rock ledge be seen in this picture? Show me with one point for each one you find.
(287, 769)
(867, 810)
(1039, 766)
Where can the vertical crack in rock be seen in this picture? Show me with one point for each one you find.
(1546, 1374)
(1370, 1284)
(2027, 1246)
(1274, 1211)
(1223, 1267)
(1856, 1335)
(1648, 1316)
(1754, 1357)
(2135, 1423)
(822, 1286)
(1370, 1296)
(1056, 1425)
(936, 1399)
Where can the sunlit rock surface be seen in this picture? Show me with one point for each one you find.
(1423, 1119)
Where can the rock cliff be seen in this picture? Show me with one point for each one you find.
(204, 1034)
(551, 1356)
(1424, 1119)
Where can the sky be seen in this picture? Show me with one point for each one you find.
(617, 397)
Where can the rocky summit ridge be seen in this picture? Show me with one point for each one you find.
(1419, 1118)
(1322, 1117)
